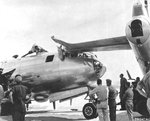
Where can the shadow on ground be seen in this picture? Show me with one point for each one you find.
(51, 119)
(68, 116)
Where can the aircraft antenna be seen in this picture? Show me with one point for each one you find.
(146, 6)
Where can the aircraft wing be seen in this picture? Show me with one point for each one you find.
(109, 44)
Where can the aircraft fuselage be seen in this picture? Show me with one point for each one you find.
(48, 72)
(138, 35)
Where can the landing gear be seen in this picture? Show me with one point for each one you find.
(89, 111)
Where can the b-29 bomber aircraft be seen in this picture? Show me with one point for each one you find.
(60, 76)
(68, 73)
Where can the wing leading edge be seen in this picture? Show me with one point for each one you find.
(109, 44)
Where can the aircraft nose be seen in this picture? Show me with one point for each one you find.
(99, 69)
(101, 72)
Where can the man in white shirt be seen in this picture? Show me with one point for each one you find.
(102, 101)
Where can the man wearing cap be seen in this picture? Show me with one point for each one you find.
(18, 93)
(35, 49)
(112, 100)
(102, 102)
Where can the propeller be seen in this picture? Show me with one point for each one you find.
(130, 78)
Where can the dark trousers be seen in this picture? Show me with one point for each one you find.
(112, 110)
(123, 104)
(18, 116)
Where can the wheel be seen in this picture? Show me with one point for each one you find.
(89, 111)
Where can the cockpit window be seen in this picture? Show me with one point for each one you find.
(50, 58)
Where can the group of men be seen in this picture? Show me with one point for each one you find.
(107, 98)
(129, 94)
(17, 97)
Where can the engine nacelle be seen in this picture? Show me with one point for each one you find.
(41, 97)
(138, 30)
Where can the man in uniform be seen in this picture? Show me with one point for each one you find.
(1, 96)
(18, 93)
(143, 88)
(123, 88)
(128, 97)
(102, 103)
(3, 80)
(35, 49)
(112, 100)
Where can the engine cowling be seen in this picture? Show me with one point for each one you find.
(41, 97)
(138, 30)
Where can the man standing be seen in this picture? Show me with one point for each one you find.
(3, 80)
(18, 93)
(112, 100)
(128, 97)
(102, 103)
(1, 96)
(123, 88)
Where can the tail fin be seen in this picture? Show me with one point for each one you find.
(139, 8)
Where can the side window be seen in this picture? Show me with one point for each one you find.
(49, 58)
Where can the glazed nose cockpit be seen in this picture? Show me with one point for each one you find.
(99, 68)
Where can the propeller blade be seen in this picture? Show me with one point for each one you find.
(130, 78)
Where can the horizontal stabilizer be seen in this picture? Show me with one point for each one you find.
(116, 43)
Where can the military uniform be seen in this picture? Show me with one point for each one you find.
(19, 94)
(112, 102)
(128, 97)
(1, 96)
(102, 105)
(4, 82)
(123, 88)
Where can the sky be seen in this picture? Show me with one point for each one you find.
(26, 22)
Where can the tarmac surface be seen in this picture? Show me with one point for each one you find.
(39, 112)
(68, 116)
